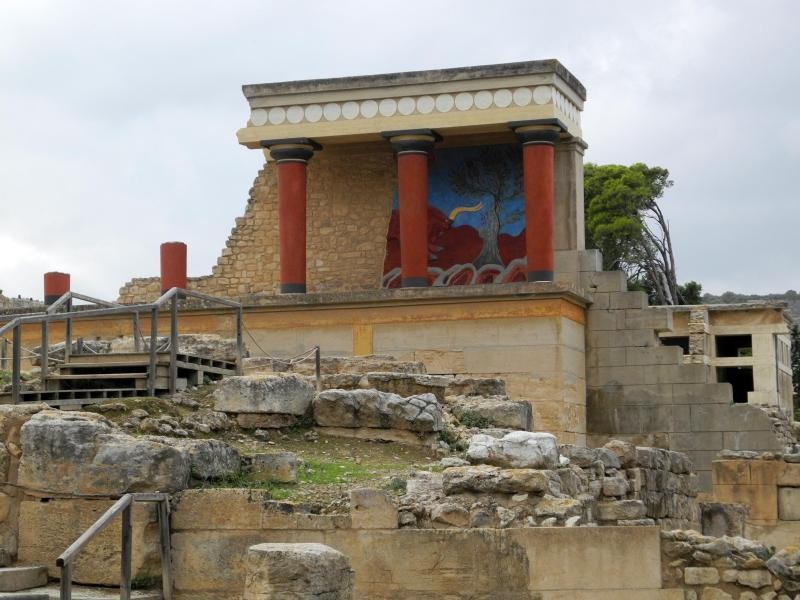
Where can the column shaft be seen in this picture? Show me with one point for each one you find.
(292, 225)
(538, 164)
(412, 189)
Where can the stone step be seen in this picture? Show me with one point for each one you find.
(14, 579)
(79, 592)
(476, 386)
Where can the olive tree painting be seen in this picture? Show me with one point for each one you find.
(476, 221)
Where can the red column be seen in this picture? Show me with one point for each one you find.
(538, 162)
(413, 149)
(292, 225)
(55, 285)
(412, 191)
(173, 266)
(291, 158)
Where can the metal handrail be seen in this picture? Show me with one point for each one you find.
(124, 505)
(171, 296)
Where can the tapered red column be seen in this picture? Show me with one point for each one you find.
(291, 158)
(173, 266)
(538, 163)
(55, 285)
(413, 149)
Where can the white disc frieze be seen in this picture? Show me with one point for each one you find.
(258, 117)
(350, 110)
(444, 102)
(406, 106)
(425, 104)
(464, 101)
(313, 113)
(387, 107)
(522, 96)
(369, 108)
(542, 94)
(502, 98)
(277, 115)
(332, 111)
(483, 99)
(295, 114)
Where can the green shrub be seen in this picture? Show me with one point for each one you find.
(469, 418)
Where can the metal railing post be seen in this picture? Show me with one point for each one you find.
(68, 333)
(127, 550)
(173, 345)
(45, 351)
(166, 551)
(137, 339)
(239, 341)
(151, 379)
(16, 363)
(318, 368)
(3, 352)
(65, 589)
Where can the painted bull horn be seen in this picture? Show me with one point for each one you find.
(459, 209)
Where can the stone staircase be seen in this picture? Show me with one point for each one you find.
(31, 583)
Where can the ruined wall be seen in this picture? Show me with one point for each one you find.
(349, 204)
(642, 391)
(214, 528)
(350, 192)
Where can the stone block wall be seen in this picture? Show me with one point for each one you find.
(643, 391)
(769, 485)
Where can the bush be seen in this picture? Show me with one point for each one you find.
(469, 418)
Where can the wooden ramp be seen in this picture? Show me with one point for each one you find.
(89, 378)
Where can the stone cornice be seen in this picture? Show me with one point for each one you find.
(453, 101)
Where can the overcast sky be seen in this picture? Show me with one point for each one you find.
(118, 119)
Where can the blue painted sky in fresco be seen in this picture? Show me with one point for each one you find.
(441, 196)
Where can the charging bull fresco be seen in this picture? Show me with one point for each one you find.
(476, 219)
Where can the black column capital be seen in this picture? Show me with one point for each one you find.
(412, 141)
(291, 149)
(538, 131)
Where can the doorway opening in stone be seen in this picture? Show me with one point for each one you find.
(741, 380)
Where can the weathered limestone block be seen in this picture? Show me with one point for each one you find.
(82, 453)
(518, 449)
(494, 480)
(211, 419)
(281, 394)
(586, 457)
(50, 526)
(208, 458)
(786, 565)
(469, 386)
(789, 503)
(383, 410)
(408, 384)
(700, 576)
(559, 508)
(710, 593)
(297, 572)
(372, 509)
(279, 466)
(624, 451)
(719, 518)
(498, 411)
(620, 509)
